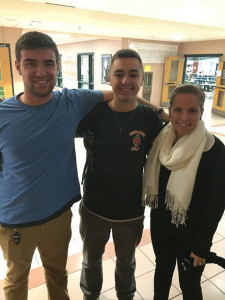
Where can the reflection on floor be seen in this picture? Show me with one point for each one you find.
(213, 279)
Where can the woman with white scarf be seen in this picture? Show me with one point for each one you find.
(184, 184)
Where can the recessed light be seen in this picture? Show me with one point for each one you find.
(178, 37)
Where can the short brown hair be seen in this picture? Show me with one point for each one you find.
(189, 89)
(35, 40)
(128, 53)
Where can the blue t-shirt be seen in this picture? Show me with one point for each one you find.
(39, 174)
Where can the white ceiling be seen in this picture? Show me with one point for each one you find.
(78, 20)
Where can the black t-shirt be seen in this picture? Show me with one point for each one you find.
(117, 149)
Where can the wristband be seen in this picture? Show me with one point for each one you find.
(160, 111)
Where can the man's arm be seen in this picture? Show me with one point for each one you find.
(108, 95)
(82, 128)
(0, 162)
(163, 115)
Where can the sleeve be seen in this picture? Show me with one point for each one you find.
(82, 128)
(88, 125)
(155, 125)
(82, 101)
(215, 203)
(159, 125)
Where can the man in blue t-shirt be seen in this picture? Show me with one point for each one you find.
(38, 174)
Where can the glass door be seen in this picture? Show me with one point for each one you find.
(218, 107)
(147, 86)
(173, 75)
(86, 71)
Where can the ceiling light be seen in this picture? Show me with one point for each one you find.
(178, 37)
(69, 3)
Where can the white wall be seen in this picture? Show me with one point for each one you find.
(69, 60)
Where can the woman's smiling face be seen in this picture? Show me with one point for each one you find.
(185, 113)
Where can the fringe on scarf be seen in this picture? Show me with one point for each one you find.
(178, 213)
(150, 198)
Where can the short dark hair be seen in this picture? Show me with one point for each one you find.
(189, 89)
(35, 40)
(127, 53)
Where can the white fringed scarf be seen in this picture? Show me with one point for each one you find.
(182, 159)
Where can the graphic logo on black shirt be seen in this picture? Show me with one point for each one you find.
(136, 139)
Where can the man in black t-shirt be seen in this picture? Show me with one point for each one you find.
(117, 136)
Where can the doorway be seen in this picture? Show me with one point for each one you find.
(147, 86)
(201, 70)
(85, 63)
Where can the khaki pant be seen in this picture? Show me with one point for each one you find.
(52, 240)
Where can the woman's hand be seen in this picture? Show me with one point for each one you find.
(198, 261)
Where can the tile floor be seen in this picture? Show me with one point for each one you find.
(213, 279)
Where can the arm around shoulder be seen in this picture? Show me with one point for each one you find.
(162, 114)
(108, 95)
